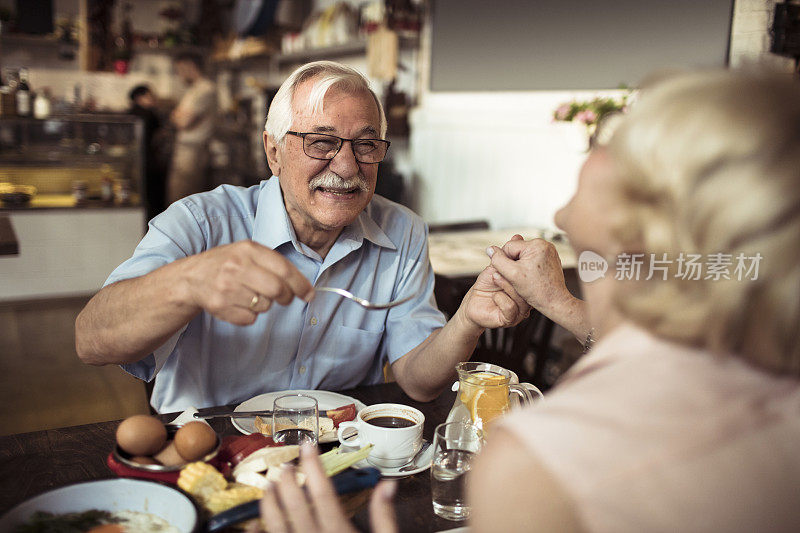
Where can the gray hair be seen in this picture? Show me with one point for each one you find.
(328, 74)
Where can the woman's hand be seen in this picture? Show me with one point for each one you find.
(492, 302)
(533, 269)
(288, 508)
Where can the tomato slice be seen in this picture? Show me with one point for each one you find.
(236, 448)
(342, 414)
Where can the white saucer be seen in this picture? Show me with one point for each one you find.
(424, 460)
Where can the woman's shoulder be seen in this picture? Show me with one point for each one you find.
(511, 490)
(642, 416)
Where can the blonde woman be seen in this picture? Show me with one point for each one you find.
(686, 414)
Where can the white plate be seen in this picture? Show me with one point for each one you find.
(424, 460)
(110, 495)
(325, 400)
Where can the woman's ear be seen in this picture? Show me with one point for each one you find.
(274, 155)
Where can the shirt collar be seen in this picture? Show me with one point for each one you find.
(364, 227)
(272, 227)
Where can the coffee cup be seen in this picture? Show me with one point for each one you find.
(393, 429)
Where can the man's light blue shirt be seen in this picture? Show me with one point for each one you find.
(330, 343)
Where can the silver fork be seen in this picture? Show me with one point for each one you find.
(361, 301)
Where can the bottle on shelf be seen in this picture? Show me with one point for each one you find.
(22, 96)
(107, 176)
(80, 192)
(122, 191)
(124, 42)
(8, 107)
(76, 100)
(41, 104)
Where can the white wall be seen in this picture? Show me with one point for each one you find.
(67, 252)
(498, 156)
(493, 156)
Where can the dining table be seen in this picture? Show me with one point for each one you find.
(39, 461)
(462, 254)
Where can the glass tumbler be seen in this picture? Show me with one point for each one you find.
(295, 419)
(455, 445)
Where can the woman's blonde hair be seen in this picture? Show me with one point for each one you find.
(710, 164)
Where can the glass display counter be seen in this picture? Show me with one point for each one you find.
(72, 161)
(83, 215)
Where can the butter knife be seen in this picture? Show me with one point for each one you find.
(232, 414)
(245, 414)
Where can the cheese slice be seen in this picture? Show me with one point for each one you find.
(262, 459)
(254, 479)
(274, 475)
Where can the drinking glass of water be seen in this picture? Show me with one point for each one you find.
(455, 445)
(295, 419)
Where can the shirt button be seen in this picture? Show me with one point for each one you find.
(302, 370)
(313, 321)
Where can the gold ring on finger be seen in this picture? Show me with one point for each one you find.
(254, 302)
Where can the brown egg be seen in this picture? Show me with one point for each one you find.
(195, 440)
(169, 456)
(141, 435)
(144, 460)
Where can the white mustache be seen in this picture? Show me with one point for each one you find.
(332, 180)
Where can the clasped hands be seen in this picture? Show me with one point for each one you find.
(522, 275)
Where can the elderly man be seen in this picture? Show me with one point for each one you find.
(195, 305)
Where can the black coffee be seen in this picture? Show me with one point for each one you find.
(390, 422)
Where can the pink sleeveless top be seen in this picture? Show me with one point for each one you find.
(647, 435)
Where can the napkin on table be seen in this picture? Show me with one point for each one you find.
(187, 416)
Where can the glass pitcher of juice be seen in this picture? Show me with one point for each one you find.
(486, 391)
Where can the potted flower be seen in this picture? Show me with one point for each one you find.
(589, 112)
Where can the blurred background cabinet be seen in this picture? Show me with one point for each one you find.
(86, 214)
(60, 154)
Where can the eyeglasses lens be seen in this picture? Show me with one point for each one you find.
(321, 146)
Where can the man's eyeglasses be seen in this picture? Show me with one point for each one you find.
(324, 146)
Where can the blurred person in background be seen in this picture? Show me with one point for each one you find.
(144, 106)
(194, 119)
(685, 416)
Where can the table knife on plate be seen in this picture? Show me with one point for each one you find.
(251, 414)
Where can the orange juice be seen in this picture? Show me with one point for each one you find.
(485, 395)
(484, 392)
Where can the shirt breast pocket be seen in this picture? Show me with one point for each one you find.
(356, 356)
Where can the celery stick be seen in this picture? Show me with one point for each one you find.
(336, 461)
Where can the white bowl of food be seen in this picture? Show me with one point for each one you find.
(134, 504)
